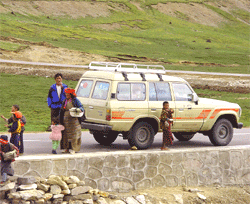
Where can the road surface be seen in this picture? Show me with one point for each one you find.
(39, 143)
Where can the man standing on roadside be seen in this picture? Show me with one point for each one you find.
(56, 96)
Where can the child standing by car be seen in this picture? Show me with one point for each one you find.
(8, 152)
(15, 129)
(165, 124)
(56, 134)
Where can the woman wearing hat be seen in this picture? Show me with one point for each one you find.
(71, 137)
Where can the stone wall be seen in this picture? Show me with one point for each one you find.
(123, 171)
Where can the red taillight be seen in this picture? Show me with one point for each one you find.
(108, 117)
(108, 114)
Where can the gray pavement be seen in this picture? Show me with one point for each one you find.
(39, 143)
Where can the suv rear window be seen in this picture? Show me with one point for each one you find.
(84, 88)
(159, 91)
(101, 90)
(131, 92)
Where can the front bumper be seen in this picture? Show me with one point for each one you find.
(239, 125)
(96, 126)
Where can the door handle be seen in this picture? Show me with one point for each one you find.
(189, 107)
(91, 107)
(153, 109)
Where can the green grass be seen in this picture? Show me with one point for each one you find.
(12, 46)
(30, 93)
(143, 34)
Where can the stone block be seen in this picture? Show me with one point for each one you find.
(166, 158)
(164, 169)
(205, 176)
(60, 167)
(82, 165)
(171, 181)
(236, 160)
(80, 190)
(210, 159)
(76, 173)
(21, 167)
(177, 170)
(192, 179)
(246, 176)
(153, 159)
(217, 174)
(125, 172)
(158, 181)
(94, 173)
(177, 158)
(96, 162)
(110, 161)
(246, 158)
(42, 167)
(229, 177)
(55, 189)
(138, 176)
(71, 164)
(103, 184)
(146, 183)
(90, 182)
(224, 159)
(137, 162)
(123, 161)
(26, 180)
(109, 172)
(121, 184)
(150, 171)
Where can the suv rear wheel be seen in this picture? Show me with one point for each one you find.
(183, 136)
(105, 139)
(222, 133)
(141, 135)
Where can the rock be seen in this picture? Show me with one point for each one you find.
(95, 198)
(111, 196)
(73, 185)
(81, 197)
(93, 191)
(66, 192)
(47, 196)
(40, 201)
(178, 198)
(31, 194)
(81, 183)
(57, 180)
(101, 201)
(44, 187)
(88, 201)
(103, 194)
(55, 189)
(26, 180)
(15, 195)
(117, 202)
(58, 196)
(141, 199)
(131, 200)
(73, 179)
(28, 187)
(201, 196)
(8, 186)
(80, 190)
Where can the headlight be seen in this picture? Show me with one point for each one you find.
(240, 111)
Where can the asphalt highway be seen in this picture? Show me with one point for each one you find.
(39, 143)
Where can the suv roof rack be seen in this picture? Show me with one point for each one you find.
(127, 67)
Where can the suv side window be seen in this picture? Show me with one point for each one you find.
(182, 92)
(131, 91)
(159, 91)
(84, 88)
(101, 90)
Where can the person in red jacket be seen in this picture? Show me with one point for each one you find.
(6, 147)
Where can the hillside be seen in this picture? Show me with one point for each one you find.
(182, 34)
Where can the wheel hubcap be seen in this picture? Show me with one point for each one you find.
(223, 132)
(142, 134)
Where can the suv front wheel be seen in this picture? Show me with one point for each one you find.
(141, 135)
(105, 139)
(222, 133)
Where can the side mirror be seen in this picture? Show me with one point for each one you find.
(195, 98)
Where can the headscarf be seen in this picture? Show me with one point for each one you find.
(70, 91)
(4, 139)
(18, 114)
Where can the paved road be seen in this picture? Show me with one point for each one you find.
(85, 67)
(39, 143)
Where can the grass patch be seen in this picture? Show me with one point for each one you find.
(143, 33)
(30, 93)
(11, 46)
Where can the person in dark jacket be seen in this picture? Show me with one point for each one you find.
(71, 137)
(56, 96)
(6, 147)
(23, 123)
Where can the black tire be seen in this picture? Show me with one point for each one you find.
(183, 136)
(105, 139)
(222, 133)
(141, 135)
